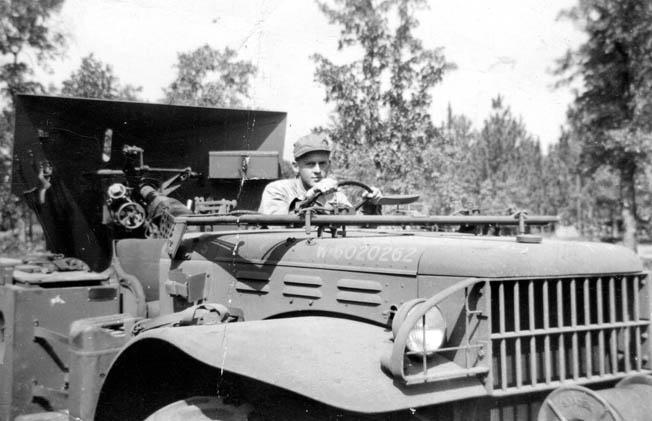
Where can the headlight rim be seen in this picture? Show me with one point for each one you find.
(403, 314)
(420, 331)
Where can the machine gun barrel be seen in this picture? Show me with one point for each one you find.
(147, 168)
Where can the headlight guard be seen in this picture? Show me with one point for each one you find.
(420, 353)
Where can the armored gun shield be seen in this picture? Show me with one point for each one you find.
(69, 153)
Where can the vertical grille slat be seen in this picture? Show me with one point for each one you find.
(547, 368)
(574, 345)
(636, 316)
(517, 328)
(560, 323)
(626, 318)
(503, 345)
(612, 318)
(587, 322)
(566, 330)
(533, 342)
(601, 349)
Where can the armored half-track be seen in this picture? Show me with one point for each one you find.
(164, 295)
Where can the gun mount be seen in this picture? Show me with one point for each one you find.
(73, 155)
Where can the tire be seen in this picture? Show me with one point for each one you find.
(201, 408)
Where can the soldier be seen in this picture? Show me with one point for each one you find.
(311, 166)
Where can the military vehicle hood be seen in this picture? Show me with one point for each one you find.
(418, 253)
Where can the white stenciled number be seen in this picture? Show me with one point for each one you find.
(384, 254)
(373, 253)
(407, 258)
(366, 253)
(349, 253)
(360, 255)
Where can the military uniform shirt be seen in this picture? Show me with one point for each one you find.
(279, 195)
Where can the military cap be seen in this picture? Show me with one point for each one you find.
(311, 143)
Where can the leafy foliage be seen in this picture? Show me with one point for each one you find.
(560, 180)
(495, 169)
(23, 28)
(612, 114)
(508, 161)
(450, 183)
(381, 118)
(95, 79)
(209, 77)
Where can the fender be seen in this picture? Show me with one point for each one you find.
(333, 361)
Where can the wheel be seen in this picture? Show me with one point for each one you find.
(201, 408)
(131, 215)
(364, 200)
(341, 184)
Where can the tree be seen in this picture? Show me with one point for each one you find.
(612, 113)
(23, 28)
(381, 117)
(561, 181)
(210, 77)
(95, 79)
(507, 163)
(449, 183)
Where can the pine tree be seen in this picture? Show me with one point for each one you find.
(612, 113)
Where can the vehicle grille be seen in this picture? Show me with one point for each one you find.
(572, 330)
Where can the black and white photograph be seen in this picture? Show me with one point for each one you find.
(234, 210)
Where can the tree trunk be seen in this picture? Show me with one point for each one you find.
(629, 208)
(614, 221)
(629, 225)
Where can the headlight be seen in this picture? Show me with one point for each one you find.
(428, 332)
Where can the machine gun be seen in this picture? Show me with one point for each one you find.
(141, 199)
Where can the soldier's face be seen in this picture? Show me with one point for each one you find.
(312, 167)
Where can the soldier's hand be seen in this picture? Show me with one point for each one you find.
(374, 195)
(324, 186)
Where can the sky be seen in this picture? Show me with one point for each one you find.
(505, 47)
